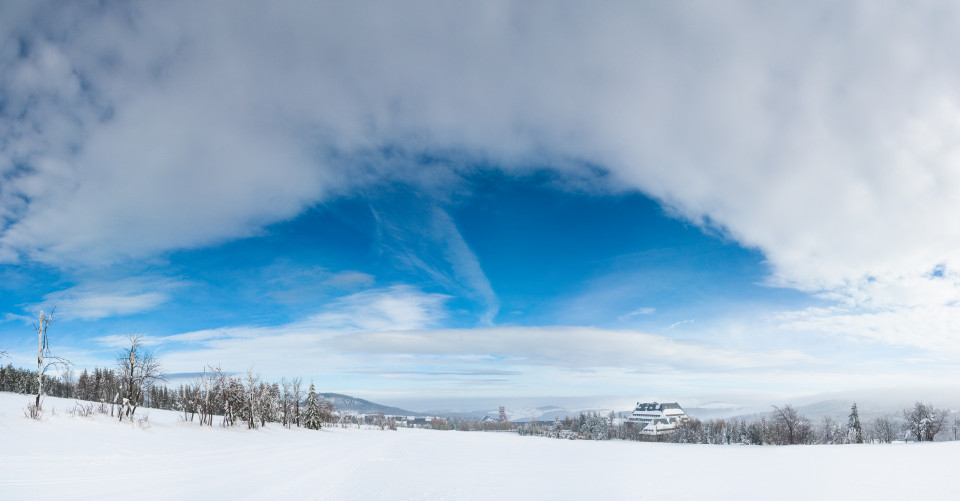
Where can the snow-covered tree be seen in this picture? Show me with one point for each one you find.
(924, 421)
(85, 388)
(138, 368)
(935, 422)
(267, 408)
(595, 427)
(826, 430)
(286, 409)
(251, 399)
(742, 435)
(791, 427)
(296, 386)
(856, 431)
(313, 413)
(883, 430)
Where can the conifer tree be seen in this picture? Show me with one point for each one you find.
(856, 431)
(313, 414)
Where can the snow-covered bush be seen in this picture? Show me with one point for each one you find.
(33, 411)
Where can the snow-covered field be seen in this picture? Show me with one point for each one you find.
(65, 457)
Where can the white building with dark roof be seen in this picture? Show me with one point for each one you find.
(656, 418)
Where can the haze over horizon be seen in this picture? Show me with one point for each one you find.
(453, 201)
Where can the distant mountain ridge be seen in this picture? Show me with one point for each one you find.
(870, 404)
(346, 403)
(522, 414)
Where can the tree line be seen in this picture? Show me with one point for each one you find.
(786, 426)
(136, 382)
(782, 426)
(215, 398)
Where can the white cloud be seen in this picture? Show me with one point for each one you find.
(500, 360)
(394, 308)
(528, 361)
(932, 327)
(822, 134)
(348, 280)
(384, 341)
(573, 347)
(917, 310)
(638, 311)
(123, 340)
(97, 299)
(394, 329)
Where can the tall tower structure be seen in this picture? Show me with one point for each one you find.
(503, 415)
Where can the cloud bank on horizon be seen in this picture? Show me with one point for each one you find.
(822, 135)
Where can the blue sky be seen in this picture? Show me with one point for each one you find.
(597, 203)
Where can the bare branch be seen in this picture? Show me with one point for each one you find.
(45, 360)
(138, 369)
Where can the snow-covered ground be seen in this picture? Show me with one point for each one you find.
(65, 457)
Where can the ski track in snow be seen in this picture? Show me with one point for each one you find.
(63, 457)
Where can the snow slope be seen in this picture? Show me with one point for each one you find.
(63, 457)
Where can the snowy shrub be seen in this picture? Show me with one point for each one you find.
(33, 411)
(380, 420)
(81, 410)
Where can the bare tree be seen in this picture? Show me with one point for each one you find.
(285, 402)
(827, 430)
(297, 386)
(221, 392)
(380, 420)
(45, 360)
(69, 379)
(202, 397)
(252, 398)
(138, 368)
(326, 410)
(790, 421)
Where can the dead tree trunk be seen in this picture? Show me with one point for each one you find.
(41, 328)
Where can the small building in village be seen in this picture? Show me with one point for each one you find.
(658, 418)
